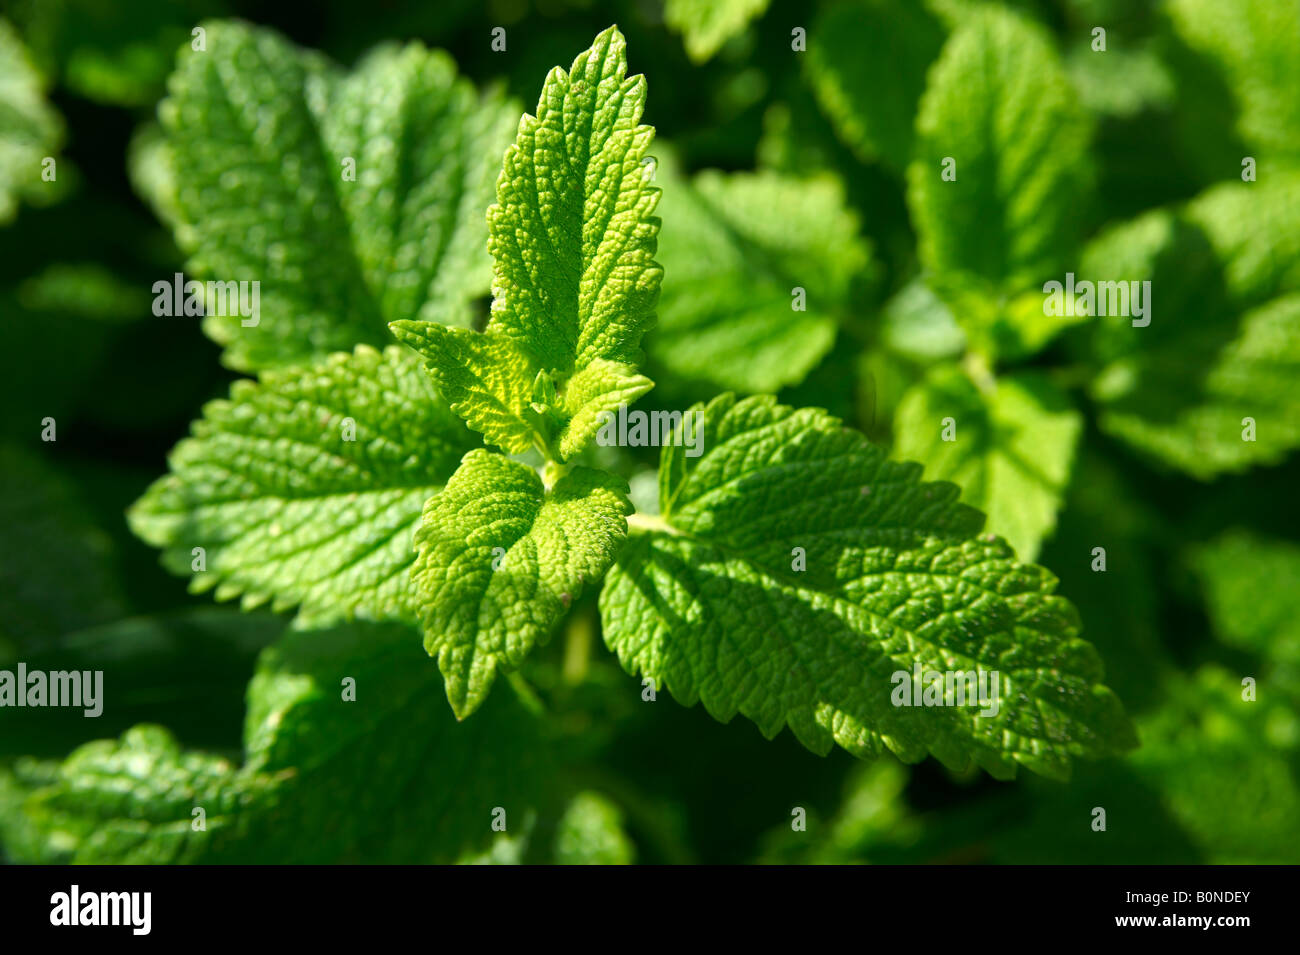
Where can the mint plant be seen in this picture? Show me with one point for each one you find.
(410, 500)
(773, 382)
(789, 571)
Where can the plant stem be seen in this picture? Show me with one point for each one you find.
(577, 648)
(978, 368)
(527, 695)
(650, 522)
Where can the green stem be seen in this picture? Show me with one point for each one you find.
(978, 368)
(650, 522)
(552, 472)
(577, 648)
(527, 695)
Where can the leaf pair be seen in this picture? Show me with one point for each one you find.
(500, 555)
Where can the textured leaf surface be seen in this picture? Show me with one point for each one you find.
(260, 136)
(1223, 342)
(1000, 105)
(287, 508)
(500, 559)
(573, 240)
(712, 607)
(386, 777)
(30, 129)
(1012, 451)
(859, 50)
(706, 25)
(736, 247)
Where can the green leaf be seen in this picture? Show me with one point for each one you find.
(186, 668)
(150, 164)
(1120, 83)
(114, 54)
(85, 290)
(867, 63)
(1000, 105)
(706, 25)
(500, 560)
(305, 488)
(737, 247)
(710, 602)
(121, 801)
(1226, 768)
(1252, 588)
(30, 129)
(916, 324)
(1122, 601)
(482, 377)
(1223, 343)
(1012, 448)
(1253, 48)
(261, 138)
(58, 572)
(575, 282)
(383, 777)
(591, 833)
(1213, 782)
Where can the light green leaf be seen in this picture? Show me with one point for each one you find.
(737, 247)
(710, 602)
(30, 129)
(1001, 107)
(917, 324)
(1223, 343)
(706, 25)
(383, 777)
(1012, 448)
(601, 387)
(501, 558)
(305, 488)
(150, 165)
(482, 378)
(591, 833)
(1120, 82)
(573, 240)
(1253, 48)
(867, 62)
(261, 137)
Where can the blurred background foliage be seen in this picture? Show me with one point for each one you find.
(1202, 585)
